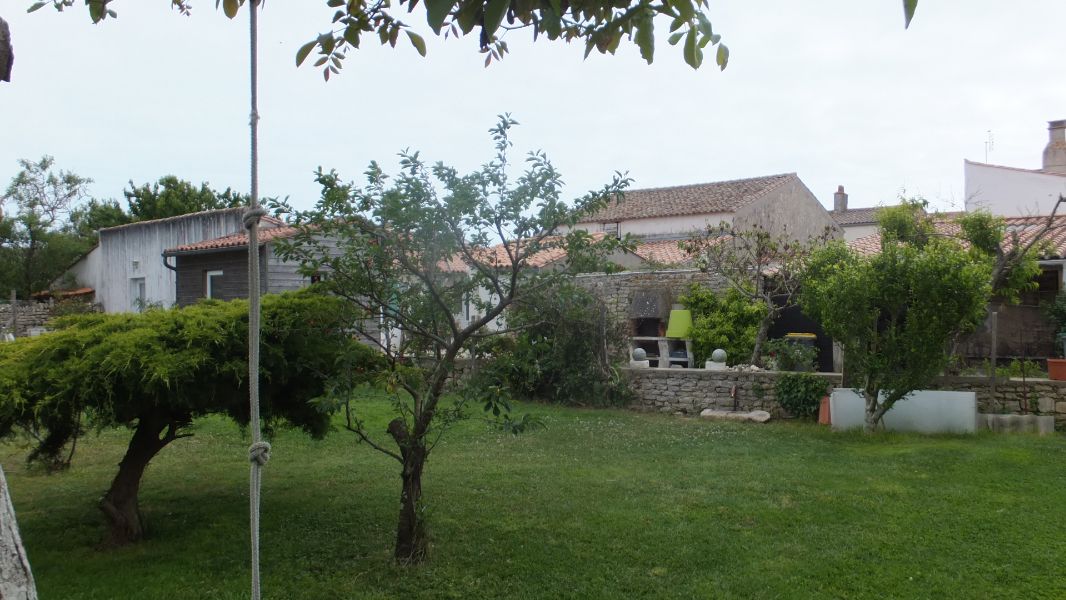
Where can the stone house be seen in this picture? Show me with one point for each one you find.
(780, 204)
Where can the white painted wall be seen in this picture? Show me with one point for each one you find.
(854, 232)
(682, 225)
(1011, 192)
(925, 411)
(134, 251)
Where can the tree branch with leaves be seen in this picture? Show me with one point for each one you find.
(408, 251)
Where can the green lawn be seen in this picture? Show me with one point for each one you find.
(601, 504)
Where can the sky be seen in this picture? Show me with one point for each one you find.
(836, 91)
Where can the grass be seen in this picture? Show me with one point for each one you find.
(601, 504)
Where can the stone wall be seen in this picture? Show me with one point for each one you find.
(1045, 395)
(616, 290)
(688, 391)
(32, 316)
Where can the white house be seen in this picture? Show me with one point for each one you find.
(1014, 192)
(126, 268)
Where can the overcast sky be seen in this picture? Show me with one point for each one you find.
(836, 91)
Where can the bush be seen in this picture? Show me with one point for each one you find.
(728, 321)
(800, 393)
(562, 351)
(788, 355)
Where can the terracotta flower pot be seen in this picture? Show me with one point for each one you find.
(823, 412)
(1056, 368)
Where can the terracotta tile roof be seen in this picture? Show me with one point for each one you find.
(856, 216)
(663, 252)
(497, 257)
(715, 197)
(237, 240)
(1026, 228)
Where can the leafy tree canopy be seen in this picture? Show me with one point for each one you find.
(35, 247)
(410, 250)
(170, 197)
(157, 371)
(896, 313)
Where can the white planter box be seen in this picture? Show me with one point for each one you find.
(925, 411)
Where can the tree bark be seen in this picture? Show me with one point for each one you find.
(120, 505)
(760, 338)
(16, 579)
(411, 539)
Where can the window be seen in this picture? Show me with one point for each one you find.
(611, 229)
(212, 284)
(138, 298)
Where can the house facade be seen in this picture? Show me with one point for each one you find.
(218, 268)
(126, 269)
(781, 204)
(1014, 192)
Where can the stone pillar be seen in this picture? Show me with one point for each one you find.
(16, 580)
(840, 200)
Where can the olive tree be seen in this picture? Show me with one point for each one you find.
(156, 372)
(411, 252)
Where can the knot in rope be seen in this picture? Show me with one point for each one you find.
(252, 216)
(259, 453)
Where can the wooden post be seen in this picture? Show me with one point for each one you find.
(995, 344)
(16, 579)
(14, 314)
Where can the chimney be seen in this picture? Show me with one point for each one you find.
(840, 200)
(1055, 152)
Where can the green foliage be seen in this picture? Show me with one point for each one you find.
(87, 219)
(906, 222)
(172, 366)
(560, 353)
(1014, 266)
(788, 355)
(601, 25)
(411, 252)
(726, 320)
(800, 393)
(34, 248)
(170, 197)
(896, 313)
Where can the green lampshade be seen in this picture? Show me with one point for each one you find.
(680, 324)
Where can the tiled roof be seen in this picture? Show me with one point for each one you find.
(716, 197)
(1026, 228)
(236, 240)
(218, 211)
(663, 252)
(856, 216)
(497, 257)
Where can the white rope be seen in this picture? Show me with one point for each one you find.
(259, 452)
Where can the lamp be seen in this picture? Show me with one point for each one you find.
(680, 324)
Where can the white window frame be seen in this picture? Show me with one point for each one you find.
(207, 282)
(138, 293)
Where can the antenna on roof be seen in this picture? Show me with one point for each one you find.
(990, 144)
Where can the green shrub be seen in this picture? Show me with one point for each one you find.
(561, 353)
(787, 355)
(727, 320)
(800, 393)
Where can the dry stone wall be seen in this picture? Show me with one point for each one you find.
(33, 316)
(616, 290)
(688, 391)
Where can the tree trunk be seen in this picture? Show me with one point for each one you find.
(874, 411)
(119, 504)
(760, 337)
(411, 539)
(16, 579)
